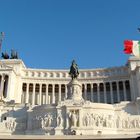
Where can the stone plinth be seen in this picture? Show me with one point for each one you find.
(75, 90)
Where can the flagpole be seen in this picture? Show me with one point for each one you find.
(1, 40)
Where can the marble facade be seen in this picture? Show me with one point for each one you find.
(48, 102)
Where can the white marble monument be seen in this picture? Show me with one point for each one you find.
(50, 102)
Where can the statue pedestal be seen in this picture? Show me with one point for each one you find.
(75, 90)
(59, 131)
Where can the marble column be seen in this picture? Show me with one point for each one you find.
(5, 86)
(59, 94)
(98, 93)
(27, 93)
(33, 95)
(111, 93)
(2, 86)
(118, 95)
(40, 94)
(124, 91)
(46, 94)
(66, 91)
(85, 91)
(53, 94)
(105, 96)
(91, 92)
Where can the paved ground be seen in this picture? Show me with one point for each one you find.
(44, 137)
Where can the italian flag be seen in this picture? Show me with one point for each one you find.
(132, 47)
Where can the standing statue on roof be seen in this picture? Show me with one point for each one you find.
(14, 54)
(74, 70)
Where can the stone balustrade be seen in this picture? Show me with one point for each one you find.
(91, 73)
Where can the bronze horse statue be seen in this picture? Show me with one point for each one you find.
(5, 55)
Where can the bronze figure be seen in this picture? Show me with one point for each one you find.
(74, 70)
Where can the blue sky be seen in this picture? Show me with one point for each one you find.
(50, 33)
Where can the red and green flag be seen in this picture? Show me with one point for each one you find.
(132, 47)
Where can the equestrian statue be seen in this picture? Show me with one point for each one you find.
(74, 70)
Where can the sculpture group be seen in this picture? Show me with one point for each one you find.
(14, 55)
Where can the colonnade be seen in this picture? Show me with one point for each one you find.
(38, 94)
(107, 92)
(3, 85)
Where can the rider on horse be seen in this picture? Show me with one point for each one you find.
(74, 70)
